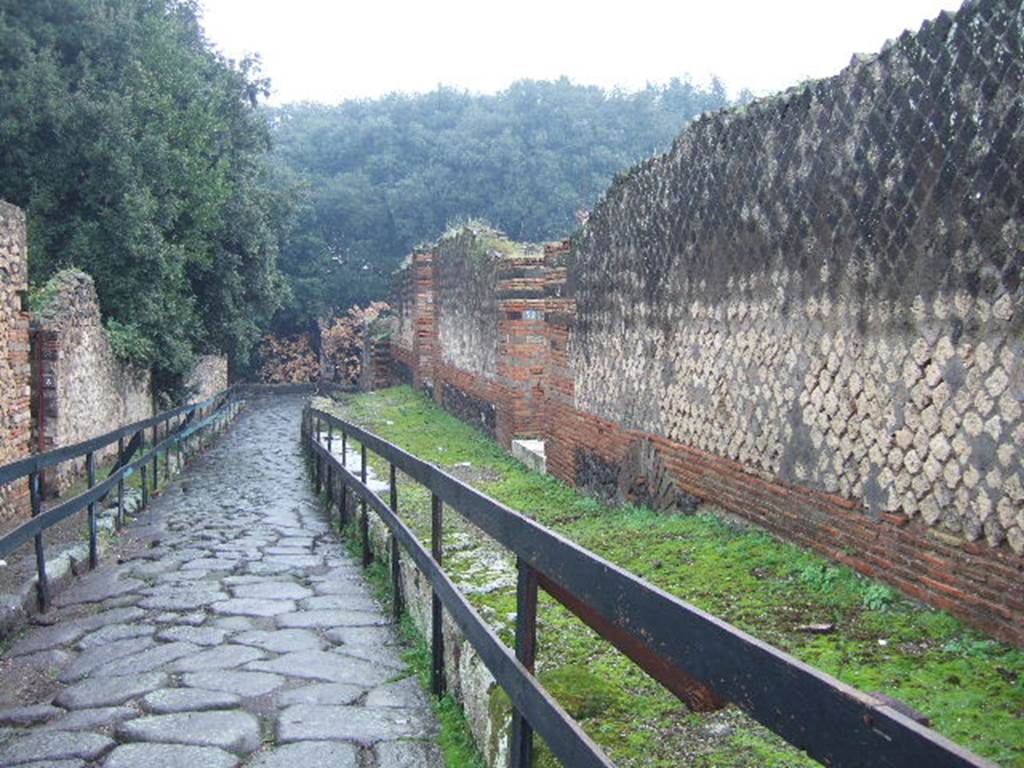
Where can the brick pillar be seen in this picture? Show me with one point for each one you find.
(425, 320)
(522, 347)
(559, 413)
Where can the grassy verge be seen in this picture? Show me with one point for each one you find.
(971, 686)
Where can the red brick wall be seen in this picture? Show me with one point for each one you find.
(978, 583)
(522, 346)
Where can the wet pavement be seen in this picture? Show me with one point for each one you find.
(236, 632)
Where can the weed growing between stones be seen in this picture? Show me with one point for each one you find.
(971, 686)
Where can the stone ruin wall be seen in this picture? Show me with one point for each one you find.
(82, 389)
(208, 377)
(475, 304)
(817, 316)
(466, 272)
(60, 382)
(466, 362)
(808, 312)
(15, 393)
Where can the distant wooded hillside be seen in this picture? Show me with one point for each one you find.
(373, 178)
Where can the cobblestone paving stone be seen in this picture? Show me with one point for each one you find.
(240, 633)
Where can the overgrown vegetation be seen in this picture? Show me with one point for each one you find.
(971, 686)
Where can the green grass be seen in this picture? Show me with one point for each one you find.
(970, 686)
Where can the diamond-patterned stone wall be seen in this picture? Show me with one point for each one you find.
(826, 286)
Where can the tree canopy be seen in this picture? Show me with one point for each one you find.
(373, 177)
(139, 155)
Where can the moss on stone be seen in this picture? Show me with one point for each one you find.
(581, 692)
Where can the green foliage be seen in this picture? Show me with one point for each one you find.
(128, 342)
(878, 597)
(968, 684)
(971, 647)
(580, 691)
(819, 577)
(41, 296)
(374, 178)
(139, 155)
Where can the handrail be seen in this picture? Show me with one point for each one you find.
(40, 461)
(218, 408)
(678, 644)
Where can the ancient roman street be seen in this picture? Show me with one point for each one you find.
(236, 631)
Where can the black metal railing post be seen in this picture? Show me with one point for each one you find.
(364, 519)
(396, 569)
(437, 681)
(167, 452)
(526, 652)
(343, 508)
(143, 473)
(156, 460)
(35, 489)
(343, 501)
(119, 517)
(177, 448)
(330, 465)
(90, 469)
(316, 458)
(186, 444)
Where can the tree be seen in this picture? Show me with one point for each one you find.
(139, 154)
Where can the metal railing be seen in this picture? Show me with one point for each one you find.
(178, 426)
(700, 658)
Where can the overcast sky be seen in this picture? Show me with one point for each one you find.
(329, 50)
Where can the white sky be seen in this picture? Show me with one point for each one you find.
(329, 50)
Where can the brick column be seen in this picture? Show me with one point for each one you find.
(559, 407)
(424, 320)
(522, 347)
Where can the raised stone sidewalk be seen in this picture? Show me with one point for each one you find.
(237, 633)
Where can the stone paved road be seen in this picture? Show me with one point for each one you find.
(238, 634)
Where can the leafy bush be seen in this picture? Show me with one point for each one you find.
(129, 343)
(970, 647)
(138, 154)
(878, 597)
(820, 577)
